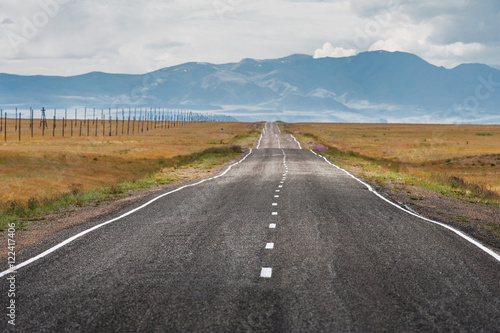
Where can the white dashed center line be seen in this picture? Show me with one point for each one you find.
(266, 272)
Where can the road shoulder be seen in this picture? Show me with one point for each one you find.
(474, 219)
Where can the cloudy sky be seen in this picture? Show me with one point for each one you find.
(68, 37)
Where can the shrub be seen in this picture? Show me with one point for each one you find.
(33, 203)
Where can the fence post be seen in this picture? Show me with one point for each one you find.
(32, 115)
(76, 117)
(133, 121)
(128, 122)
(54, 125)
(142, 121)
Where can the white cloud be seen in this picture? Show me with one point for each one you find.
(409, 39)
(328, 50)
(139, 36)
(457, 49)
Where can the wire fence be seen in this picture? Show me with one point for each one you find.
(18, 124)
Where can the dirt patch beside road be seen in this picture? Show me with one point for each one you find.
(478, 220)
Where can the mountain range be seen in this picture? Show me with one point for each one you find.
(374, 86)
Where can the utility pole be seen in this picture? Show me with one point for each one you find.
(43, 120)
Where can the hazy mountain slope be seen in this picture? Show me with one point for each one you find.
(371, 86)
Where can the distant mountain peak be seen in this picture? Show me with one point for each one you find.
(298, 57)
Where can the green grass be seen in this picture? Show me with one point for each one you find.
(463, 218)
(35, 209)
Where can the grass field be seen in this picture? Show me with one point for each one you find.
(463, 158)
(36, 170)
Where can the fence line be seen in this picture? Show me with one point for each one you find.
(135, 121)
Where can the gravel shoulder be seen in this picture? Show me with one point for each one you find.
(477, 220)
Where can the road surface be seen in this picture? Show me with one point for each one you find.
(282, 242)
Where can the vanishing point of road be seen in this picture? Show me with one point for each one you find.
(283, 241)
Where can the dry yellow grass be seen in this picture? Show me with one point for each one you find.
(45, 166)
(471, 152)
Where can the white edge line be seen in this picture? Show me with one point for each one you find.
(69, 240)
(258, 145)
(298, 143)
(459, 233)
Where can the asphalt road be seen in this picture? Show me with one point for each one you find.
(282, 242)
